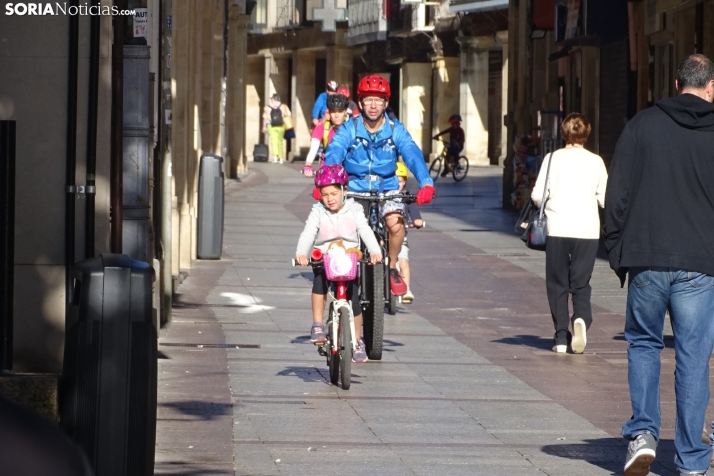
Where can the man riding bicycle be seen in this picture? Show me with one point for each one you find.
(368, 148)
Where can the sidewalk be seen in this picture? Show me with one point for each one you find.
(468, 384)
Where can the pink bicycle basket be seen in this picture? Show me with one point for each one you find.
(342, 267)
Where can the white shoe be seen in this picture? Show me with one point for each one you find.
(580, 338)
(560, 349)
(408, 297)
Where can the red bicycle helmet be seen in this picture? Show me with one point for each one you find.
(344, 91)
(374, 86)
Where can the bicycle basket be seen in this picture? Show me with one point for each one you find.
(342, 267)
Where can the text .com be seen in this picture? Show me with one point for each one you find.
(59, 8)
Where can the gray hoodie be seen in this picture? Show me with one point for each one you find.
(347, 224)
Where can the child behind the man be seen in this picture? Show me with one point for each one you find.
(335, 218)
(412, 218)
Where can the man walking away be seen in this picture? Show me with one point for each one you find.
(659, 223)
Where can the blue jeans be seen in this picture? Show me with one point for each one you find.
(690, 299)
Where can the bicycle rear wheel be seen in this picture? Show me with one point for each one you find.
(435, 169)
(374, 313)
(345, 350)
(333, 360)
(461, 168)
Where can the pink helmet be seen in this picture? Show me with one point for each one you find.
(331, 175)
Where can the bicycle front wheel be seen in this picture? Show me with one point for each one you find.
(345, 350)
(374, 313)
(333, 360)
(461, 168)
(435, 169)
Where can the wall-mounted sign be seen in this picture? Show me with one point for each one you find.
(141, 21)
(571, 27)
(329, 14)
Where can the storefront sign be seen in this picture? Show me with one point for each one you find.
(141, 21)
(329, 14)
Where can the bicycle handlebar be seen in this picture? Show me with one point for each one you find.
(407, 197)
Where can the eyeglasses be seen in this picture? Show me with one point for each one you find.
(377, 101)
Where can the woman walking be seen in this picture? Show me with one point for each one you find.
(576, 187)
(274, 125)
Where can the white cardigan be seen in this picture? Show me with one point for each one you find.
(576, 187)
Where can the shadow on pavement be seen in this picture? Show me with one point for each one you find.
(189, 471)
(609, 454)
(199, 408)
(537, 342)
(307, 374)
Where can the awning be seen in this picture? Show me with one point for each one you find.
(473, 6)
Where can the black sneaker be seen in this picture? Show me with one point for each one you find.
(640, 455)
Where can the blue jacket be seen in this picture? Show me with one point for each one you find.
(352, 148)
(318, 110)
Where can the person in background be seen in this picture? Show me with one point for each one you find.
(575, 188)
(274, 125)
(323, 132)
(659, 223)
(320, 107)
(412, 219)
(457, 139)
(352, 108)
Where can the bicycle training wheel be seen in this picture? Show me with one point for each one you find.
(345, 350)
(435, 169)
(374, 313)
(461, 168)
(333, 360)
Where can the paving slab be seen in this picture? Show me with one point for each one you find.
(467, 383)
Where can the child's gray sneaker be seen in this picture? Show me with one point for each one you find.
(317, 334)
(360, 354)
(640, 455)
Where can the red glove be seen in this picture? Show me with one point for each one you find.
(425, 194)
(317, 195)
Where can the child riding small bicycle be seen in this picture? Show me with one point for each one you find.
(335, 218)
(457, 139)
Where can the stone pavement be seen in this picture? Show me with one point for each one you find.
(467, 386)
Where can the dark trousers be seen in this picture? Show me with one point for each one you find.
(569, 264)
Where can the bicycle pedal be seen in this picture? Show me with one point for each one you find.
(321, 350)
(319, 344)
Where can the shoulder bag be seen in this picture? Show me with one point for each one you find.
(538, 227)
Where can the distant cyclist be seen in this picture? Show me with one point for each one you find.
(457, 138)
(368, 148)
(352, 108)
(320, 107)
(322, 134)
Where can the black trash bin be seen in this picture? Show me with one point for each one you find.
(108, 386)
(210, 208)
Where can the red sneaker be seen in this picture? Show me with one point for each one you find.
(396, 283)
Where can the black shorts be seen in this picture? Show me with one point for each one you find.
(319, 286)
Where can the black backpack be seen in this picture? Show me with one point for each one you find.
(276, 116)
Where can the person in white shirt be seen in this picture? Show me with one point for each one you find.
(576, 187)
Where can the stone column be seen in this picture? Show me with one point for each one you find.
(416, 103)
(445, 96)
(474, 96)
(503, 39)
(303, 87)
(253, 106)
(235, 92)
(339, 65)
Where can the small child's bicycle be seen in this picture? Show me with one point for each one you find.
(340, 326)
(458, 166)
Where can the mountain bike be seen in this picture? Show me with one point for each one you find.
(375, 293)
(340, 325)
(458, 167)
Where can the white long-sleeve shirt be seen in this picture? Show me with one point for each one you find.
(576, 187)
